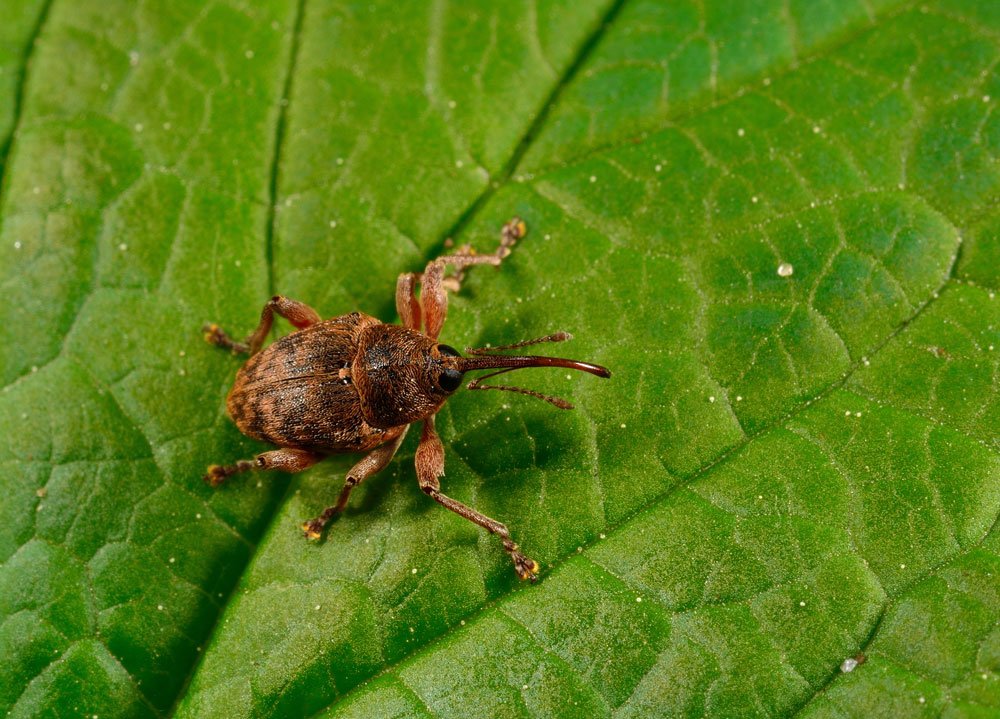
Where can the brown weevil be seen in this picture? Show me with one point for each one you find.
(354, 384)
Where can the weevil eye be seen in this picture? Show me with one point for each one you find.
(449, 379)
(448, 351)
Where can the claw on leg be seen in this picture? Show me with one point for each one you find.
(526, 567)
(313, 529)
(215, 335)
(217, 473)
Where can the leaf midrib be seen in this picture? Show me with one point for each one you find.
(270, 230)
(8, 144)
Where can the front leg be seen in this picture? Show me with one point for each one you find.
(407, 304)
(299, 314)
(430, 466)
(435, 284)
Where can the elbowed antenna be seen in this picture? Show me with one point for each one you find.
(481, 359)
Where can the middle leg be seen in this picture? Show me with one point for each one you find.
(372, 463)
(298, 313)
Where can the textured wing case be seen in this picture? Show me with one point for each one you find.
(297, 392)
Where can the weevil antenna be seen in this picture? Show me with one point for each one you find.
(554, 337)
(557, 401)
(481, 358)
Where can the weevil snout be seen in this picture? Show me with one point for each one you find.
(456, 366)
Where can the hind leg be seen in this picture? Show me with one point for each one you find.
(286, 460)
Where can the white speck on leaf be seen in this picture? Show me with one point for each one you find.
(785, 270)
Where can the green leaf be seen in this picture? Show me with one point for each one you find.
(776, 222)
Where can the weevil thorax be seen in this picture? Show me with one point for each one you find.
(401, 375)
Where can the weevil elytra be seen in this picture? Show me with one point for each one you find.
(354, 384)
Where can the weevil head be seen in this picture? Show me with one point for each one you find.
(403, 376)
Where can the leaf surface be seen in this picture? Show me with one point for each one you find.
(777, 226)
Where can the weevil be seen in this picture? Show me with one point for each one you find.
(355, 384)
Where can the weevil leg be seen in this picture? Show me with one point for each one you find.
(299, 314)
(407, 304)
(372, 463)
(435, 284)
(286, 460)
(510, 233)
(430, 466)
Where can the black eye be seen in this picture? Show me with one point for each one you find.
(449, 380)
(448, 351)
